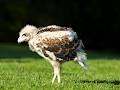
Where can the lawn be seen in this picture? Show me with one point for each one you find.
(20, 69)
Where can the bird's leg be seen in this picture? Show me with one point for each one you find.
(56, 67)
(51, 55)
(54, 77)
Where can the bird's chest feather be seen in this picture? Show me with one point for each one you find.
(33, 45)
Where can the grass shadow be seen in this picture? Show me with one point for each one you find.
(103, 55)
(113, 82)
(16, 51)
(20, 60)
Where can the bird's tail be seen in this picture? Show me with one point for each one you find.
(81, 56)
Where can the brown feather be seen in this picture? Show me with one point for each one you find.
(61, 48)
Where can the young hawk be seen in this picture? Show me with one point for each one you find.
(56, 44)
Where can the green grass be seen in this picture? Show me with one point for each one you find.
(20, 69)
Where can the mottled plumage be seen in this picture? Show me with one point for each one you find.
(54, 43)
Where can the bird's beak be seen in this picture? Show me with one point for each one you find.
(20, 40)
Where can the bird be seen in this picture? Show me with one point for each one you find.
(56, 44)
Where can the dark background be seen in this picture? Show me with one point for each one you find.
(97, 22)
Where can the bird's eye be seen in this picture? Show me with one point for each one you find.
(24, 35)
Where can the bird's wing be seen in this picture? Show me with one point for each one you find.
(61, 48)
(61, 43)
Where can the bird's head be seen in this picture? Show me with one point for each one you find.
(27, 33)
